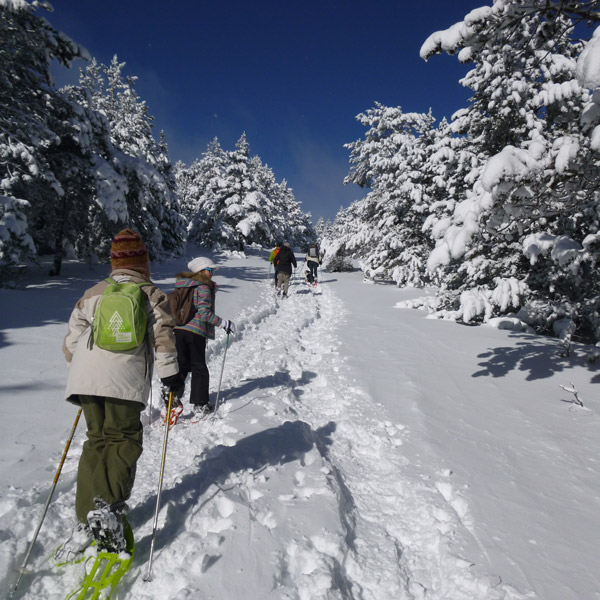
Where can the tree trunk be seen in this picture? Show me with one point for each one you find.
(58, 240)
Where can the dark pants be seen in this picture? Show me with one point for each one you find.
(110, 453)
(312, 274)
(191, 356)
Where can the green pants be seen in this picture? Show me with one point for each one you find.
(110, 453)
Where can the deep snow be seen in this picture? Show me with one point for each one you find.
(363, 451)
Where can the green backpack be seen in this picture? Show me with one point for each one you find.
(120, 317)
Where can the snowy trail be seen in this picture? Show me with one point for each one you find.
(297, 436)
(287, 358)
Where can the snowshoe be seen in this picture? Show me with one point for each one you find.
(105, 570)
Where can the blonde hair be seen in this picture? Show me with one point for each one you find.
(199, 276)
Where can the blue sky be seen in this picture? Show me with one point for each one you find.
(292, 75)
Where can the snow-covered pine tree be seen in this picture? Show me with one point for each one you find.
(173, 224)
(189, 186)
(101, 207)
(388, 237)
(204, 184)
(332, 242)
(152, 203)
(295, 225)
(34, 118)
(520, 230)
(321, 228)
(234, 200)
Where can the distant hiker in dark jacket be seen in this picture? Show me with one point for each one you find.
(112, 387)
(284, 261)
(192, 337)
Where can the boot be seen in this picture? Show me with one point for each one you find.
(106, 524)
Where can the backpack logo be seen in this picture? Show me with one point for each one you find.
(120, 317)
(115, 322)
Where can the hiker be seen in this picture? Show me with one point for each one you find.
(192, 337)
(284, 261)
(272, 256)
(313, 260)
(112, 387)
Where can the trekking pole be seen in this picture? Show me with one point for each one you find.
(160, 483)
(221, 378)
(22, 569)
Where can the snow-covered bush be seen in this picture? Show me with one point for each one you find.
(339, 264)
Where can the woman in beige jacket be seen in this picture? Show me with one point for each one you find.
(112, 387)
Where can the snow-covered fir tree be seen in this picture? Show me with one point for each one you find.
(37, 126)
(323, 228)
(78, 163)
(332, 242)
(232, 200)
(522, 230)
(198, 186)
(151, 195)
(387, 234)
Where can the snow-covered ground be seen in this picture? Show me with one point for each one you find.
(362, 452)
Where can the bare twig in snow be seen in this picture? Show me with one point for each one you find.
(576, 399)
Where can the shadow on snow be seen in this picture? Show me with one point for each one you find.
(53, 298)
(276, 446)
(278, 379)
(539, 357)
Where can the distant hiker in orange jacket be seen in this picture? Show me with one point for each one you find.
(272, 256)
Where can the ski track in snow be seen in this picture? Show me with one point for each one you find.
(237, 489)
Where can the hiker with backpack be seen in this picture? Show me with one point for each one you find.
(192, 336)
(313, 261)
(284, 261)
(115, 331)
(272, 257)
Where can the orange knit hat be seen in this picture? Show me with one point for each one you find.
(128, 251)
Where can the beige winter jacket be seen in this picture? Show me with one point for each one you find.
(127, 374)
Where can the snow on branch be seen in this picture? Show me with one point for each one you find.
(588, 63)
(564, 251)
(456, 37)
(512, 163)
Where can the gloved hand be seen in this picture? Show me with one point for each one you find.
(175, 383)
(228, 326)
